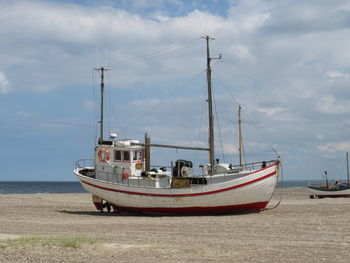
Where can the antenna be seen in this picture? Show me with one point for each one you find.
(97, 55)
(206, 23)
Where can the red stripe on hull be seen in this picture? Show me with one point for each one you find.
(253, 207)
(180, 195)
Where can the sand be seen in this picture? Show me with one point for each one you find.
(299, 230)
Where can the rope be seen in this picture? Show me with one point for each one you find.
(281, 195)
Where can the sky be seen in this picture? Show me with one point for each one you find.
(286, 62)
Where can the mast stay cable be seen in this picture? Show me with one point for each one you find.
(201, 122)
(112, 109)
(94, 105)
(162, 52)
(218, 126)
(236, 101)
(152, 55)
(163, 100)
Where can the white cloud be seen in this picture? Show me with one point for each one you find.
(4, 83)
(337, 74)
(42, 88)
(333, 147)
(55, 125)
(255, 21)
(319, 136)
(25, 114)
(270, 111)
(241, 52)
(230, 149)
(328, 104)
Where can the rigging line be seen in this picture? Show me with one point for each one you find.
(244, 155)
(236, 101)
(107, 55)
(201, 121)
(155, 53)
(202, 116)
(113, 111)
(97, 56)
(119, 123)
(235, 132)
(94, 105)
(241, 138)
(153, 57)
(109, 112)
(161, 52)
(108, 93)
(228, 91)
(165, 99)
(217, 123)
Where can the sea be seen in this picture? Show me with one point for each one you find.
(40, 187)
(75, 187)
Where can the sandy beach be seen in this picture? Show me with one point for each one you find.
(35, 228)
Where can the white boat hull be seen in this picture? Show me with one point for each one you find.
(318, 192)
(251, 192)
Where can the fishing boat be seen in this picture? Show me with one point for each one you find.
(121, 177)
(338, 189)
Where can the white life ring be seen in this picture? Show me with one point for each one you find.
(103, 155)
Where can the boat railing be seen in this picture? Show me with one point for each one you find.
(126, 180)
(84, 163)
(253, 166)
(161, 166)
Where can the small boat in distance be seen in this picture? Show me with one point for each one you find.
(121, 176)
(338, 189)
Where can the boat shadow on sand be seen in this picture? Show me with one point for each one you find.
(131, 214)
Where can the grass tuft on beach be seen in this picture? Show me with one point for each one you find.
(64, 241)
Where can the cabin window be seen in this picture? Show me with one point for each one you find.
(126, 156)
(140, 155)
(134, 155)
(117, 155)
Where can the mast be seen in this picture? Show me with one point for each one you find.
(147, 153)
(240, 136)
(210, 108)
(102, 70)
(347, 167)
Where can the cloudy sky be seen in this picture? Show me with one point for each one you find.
(286, 62)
